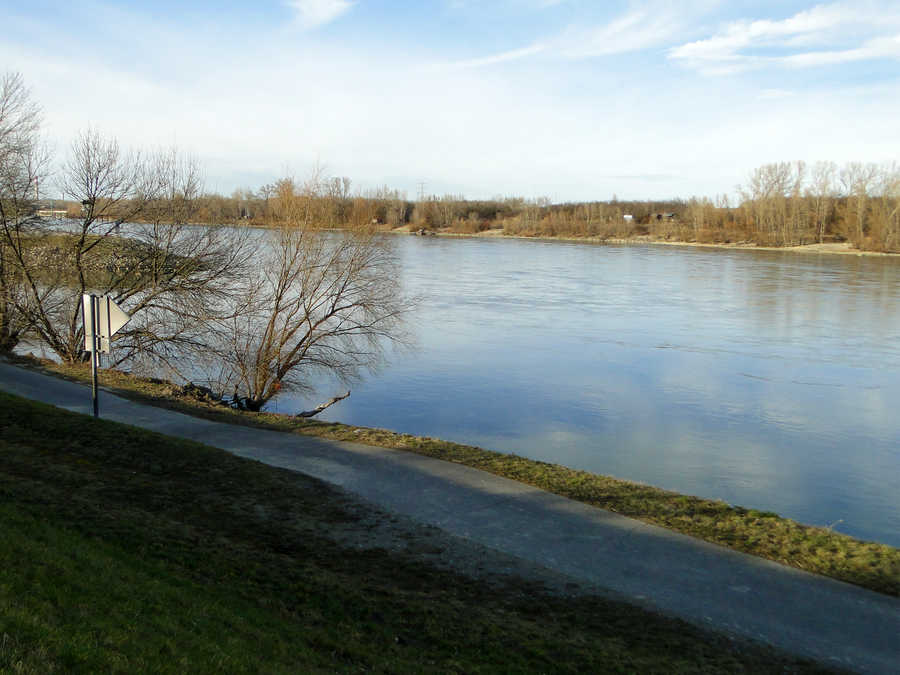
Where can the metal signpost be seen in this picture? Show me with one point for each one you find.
(102, 318)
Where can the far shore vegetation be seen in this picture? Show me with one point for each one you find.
(820, 550)
(128, 551)
(783, 204)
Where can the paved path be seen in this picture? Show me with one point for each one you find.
(808, 615)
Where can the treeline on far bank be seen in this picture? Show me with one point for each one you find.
(781, 204)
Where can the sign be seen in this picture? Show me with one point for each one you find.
(102, 318)
(108, 318)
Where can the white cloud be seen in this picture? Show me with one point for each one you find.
(502, 57)
(516, 4)
(774, 94)
(635, 30)
(315, 13)
(745, 45)
(878, 48)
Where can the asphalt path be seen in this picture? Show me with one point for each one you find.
(811, 616)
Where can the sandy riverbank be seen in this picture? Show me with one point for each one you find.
(835, 248)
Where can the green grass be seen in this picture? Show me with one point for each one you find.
(124, 550)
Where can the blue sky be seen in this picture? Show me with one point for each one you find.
(568, 99)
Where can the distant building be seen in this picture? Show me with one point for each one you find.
(49, 208)
(628, 217)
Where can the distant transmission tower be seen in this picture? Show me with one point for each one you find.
(421, 191)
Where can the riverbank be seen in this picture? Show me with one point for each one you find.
(765, 534)
(126, 550)
(828, 248)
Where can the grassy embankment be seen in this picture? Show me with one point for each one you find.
(815, 549)
(124, 550)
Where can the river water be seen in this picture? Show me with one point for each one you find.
(766, 379)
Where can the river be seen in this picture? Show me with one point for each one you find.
(769, 380)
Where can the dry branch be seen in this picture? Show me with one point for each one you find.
(319, 408)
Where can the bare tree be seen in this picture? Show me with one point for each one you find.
(189, 275)
(774, 203)
(336, 191)
(822, 192)
(885, 211)
(857, 180)
(698, 212)
(171, 276)
(113, 187)
(324, 301)
(265, 193)
(793, 222)
(23, 165)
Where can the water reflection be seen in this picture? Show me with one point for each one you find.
(766, 379)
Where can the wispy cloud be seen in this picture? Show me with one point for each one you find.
(636, 29)
(792, 42)
(492, 59)
(517, 4)
(878, 48)
(314, 13)
(774, 94)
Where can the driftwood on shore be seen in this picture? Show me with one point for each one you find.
(319, 408)
(206, 394)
